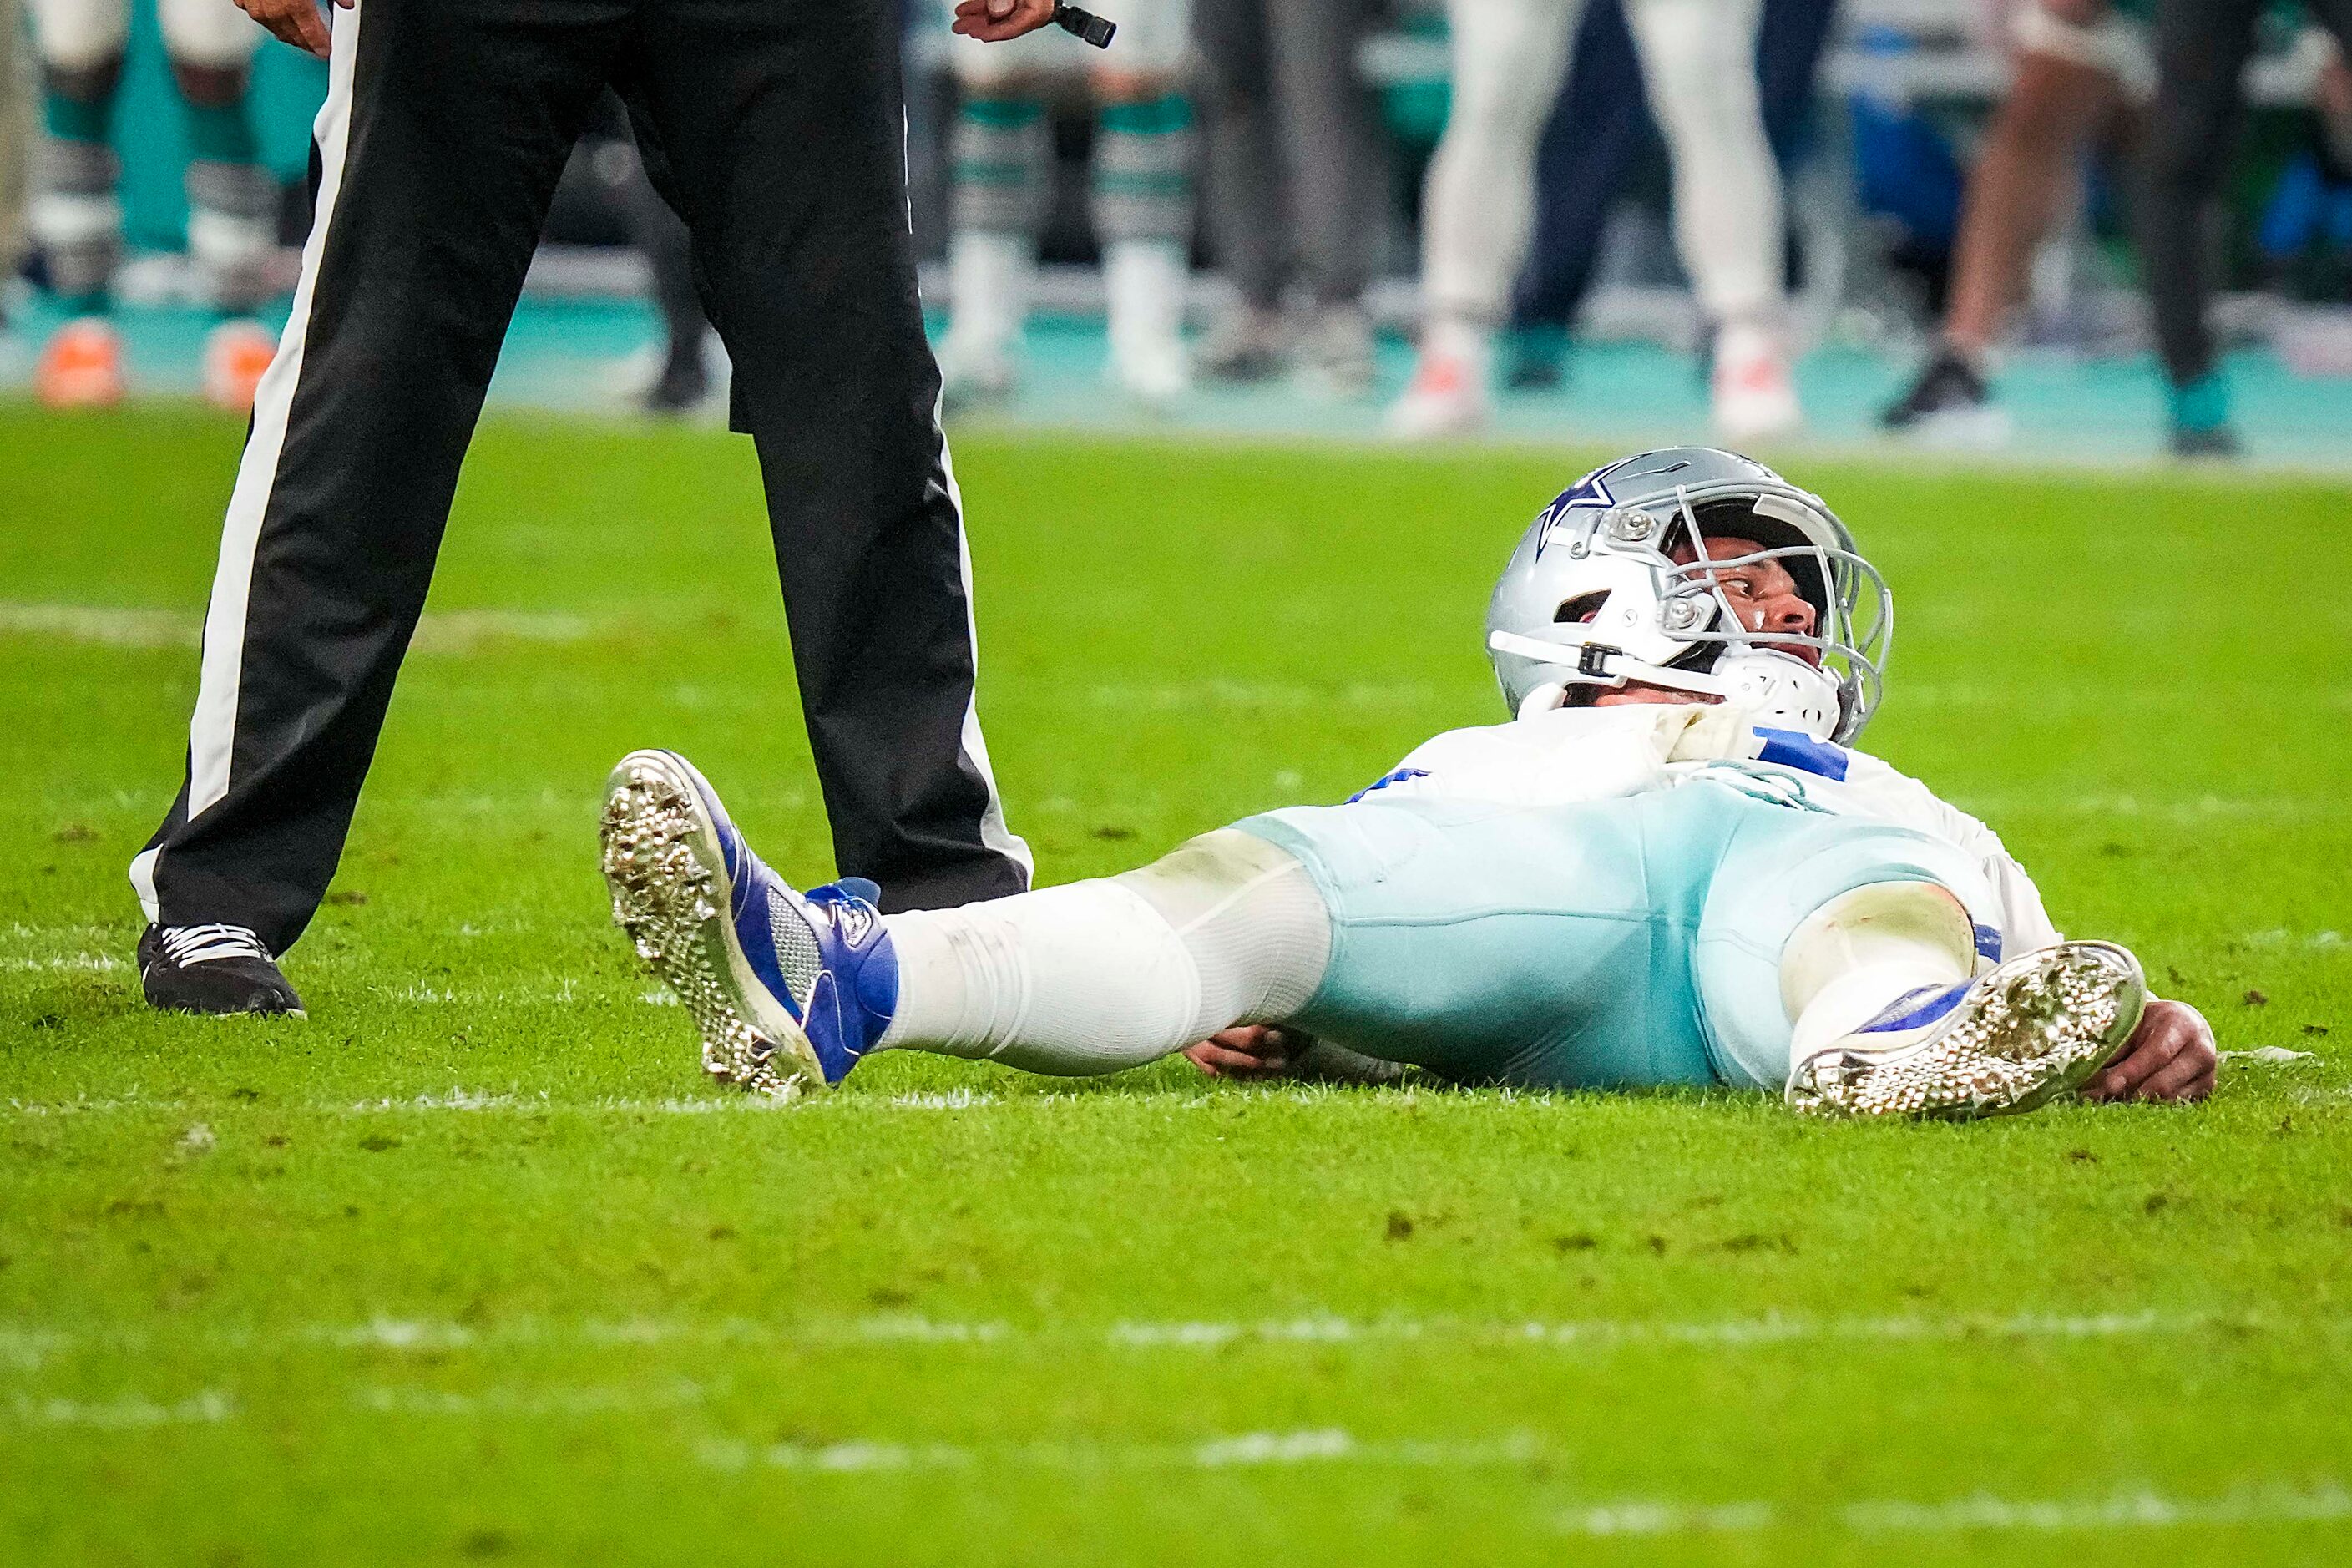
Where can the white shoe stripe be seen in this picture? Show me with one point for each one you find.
(212, 731)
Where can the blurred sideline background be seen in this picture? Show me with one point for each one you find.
(1876, 168)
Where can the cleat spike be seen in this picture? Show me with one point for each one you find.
(2032, 1031)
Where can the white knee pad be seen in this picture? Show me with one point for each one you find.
(76, 35)
(1863, 949)
(1248, 915)
(212, 33)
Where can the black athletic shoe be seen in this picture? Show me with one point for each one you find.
(211, 969)
(2213, 441)
(1948, 399)
(684, 383)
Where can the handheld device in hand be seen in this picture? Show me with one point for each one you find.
(1095, 30)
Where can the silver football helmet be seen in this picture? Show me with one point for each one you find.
(1614, 583)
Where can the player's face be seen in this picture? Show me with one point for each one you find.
(1763, 596)
(1762, 593)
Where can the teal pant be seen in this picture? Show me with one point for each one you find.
(1618, 942)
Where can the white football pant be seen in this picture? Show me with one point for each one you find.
(1699, 60)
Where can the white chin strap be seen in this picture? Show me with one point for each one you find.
(1779, 688)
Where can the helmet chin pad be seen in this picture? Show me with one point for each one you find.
(1784, 691)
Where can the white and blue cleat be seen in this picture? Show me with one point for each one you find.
(2013, 1039)
(788, 989)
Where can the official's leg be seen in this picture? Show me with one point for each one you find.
(445, 129)
(774, 126)
(2202, 50)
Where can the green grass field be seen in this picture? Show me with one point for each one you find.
(472, 1265)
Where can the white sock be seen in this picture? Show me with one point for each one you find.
(1094, 977)
(1866, 949)
(1144, 283)
(988, 277)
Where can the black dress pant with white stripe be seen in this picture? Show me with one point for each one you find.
(775, 127)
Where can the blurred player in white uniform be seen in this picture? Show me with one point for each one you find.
(1699, 60)
(2082, 67)
(1142, 196)
(76, 215)
(1669, 868)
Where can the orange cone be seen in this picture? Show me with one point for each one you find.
(81, 367)
(235, 354)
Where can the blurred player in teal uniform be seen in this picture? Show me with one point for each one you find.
(1142, 198)
(77, 214)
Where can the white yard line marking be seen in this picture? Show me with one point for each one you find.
(124, 1413)
(442, 631)
(1240, 1452)
(1192, 696)
(410, 1400)
(460, 1098)
(65, 963)
(2328, 1500)
(27, 1346)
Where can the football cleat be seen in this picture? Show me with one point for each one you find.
(974, 375)
(81, 365)
(212, 969)
(1755, 395)
(1948, 405)
(788, 989)
(236, 355)
(1444, 399)
(2014, 1038)
(1153, 370)
(1245, 344)
(1337, 355)
(2207, 442)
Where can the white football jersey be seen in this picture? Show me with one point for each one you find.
(1574, 755)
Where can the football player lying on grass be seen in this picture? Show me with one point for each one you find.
(1668, 868)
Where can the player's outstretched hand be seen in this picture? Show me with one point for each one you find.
(295, 21)
(2171, 1057)
(1250, 1050)
(993, 21)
